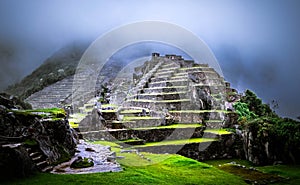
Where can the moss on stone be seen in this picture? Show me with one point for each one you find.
(178, 142)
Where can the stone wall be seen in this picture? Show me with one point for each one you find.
(149, 135)
(23, 133)
(223, 148)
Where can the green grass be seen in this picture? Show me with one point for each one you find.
(177, 142)
(75, 119)
(218, 131)
(159, 169)
(132, 118)
(133, 111)
(195, 125)
(44, 113)
(292, 172)
(109, 105)
(287, 171)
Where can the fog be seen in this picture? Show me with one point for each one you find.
(256, 42)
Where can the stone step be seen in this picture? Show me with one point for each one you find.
(135, 112)
(178, 104)
(47, 169)
(142, 122)
(160, 78)
(164, 69)
(176, 146)
(165, 89)
(211, 88)
(34, 154)
(37, 158)
(161, 96)
(149, 134)
(195, 69)
(167, 83)
(162, 75)
(212, 118)
(42, 164)
(169, 65)
(200, 74)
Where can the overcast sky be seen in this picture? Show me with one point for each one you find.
(256, 42)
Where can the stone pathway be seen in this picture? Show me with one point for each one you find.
(102, 157)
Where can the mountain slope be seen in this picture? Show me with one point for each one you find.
(60, 65)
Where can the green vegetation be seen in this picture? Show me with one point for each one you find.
(243, 111)
(158, 169)
(133, 111)
(218, 131)
(173, 126)
(54, 113)
(177, 142)
(59, 66)
(30, 142)
(262, 121)
(132, 118)
(109, 105)
(75, 119)
(162, 169)
(287, 174)
(82, 163)
(291, 172)
(255, 104)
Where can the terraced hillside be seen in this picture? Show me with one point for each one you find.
(175, 106)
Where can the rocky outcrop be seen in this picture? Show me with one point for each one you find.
(33, 140)
(263, 146)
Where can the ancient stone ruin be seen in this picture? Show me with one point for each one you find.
(171, 105)
(39, 140)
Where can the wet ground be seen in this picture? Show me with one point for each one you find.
(102, 157)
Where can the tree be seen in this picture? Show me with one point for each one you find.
(255, 104)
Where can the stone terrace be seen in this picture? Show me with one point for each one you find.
(175, 106)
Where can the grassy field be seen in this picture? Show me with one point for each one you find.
(146, 168)
(277, 174)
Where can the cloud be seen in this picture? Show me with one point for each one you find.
(256, 42)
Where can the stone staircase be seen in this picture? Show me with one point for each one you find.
(65, 92)
(52, 95)
(39, 159)
(173, 108)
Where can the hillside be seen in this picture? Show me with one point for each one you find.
(60, 65)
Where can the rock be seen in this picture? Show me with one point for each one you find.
(24, 133)
(89, 150)
(82, 163)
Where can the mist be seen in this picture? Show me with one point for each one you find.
(255, 42)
